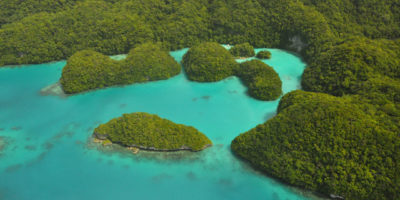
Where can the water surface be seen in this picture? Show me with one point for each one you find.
(47, 154)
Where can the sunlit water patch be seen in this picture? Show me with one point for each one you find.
(48, 154)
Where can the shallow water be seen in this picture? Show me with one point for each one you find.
(47, 154)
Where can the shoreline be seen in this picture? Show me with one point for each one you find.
(136, 148)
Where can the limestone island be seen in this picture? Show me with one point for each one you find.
(263, 54)
(326, 144)
(242, 51)
(88, 70)
(150, 132)
(210, 62)
(261, 80)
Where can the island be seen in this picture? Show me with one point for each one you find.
(264, 54)
(209, 62)
(352, 51)
(88, 70)
(243, 50)
(262, 81)
(325, 144)
(150, 132)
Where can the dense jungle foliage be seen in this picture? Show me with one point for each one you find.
(41, 31)
(261, 80)
(327, 144)
(150, 132)
(264, 55)
(87, 69)
(352, 49)
(208, 62)
(242, 50)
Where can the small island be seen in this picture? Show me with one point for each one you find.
(209, 62)
(87, 70)
(264, 54)
(262, 81)
(150, 132)
(243, 50)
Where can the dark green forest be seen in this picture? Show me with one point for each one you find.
(261, 80)
(328, 144)
(150, 132)
(88, 70)
(209, 62)
(264, 54)
(242, 50)
(352, 51)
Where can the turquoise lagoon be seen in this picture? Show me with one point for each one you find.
(48, 154)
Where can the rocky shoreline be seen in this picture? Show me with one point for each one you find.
(100, 138)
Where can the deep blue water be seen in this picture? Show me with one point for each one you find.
(48, 153)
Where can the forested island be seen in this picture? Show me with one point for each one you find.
(150, 132)
(209, 62)
(261, 80)
(243, 50)
(343, 142)
(264, 55)
(325, 143)
(88, 70)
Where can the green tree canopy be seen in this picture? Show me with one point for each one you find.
(208, 62)
(242, 50)
(150, 132)
(262, 80)
(264, 54)
(87, 70)
(326, 144)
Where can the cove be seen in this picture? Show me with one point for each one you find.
(48, 154)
